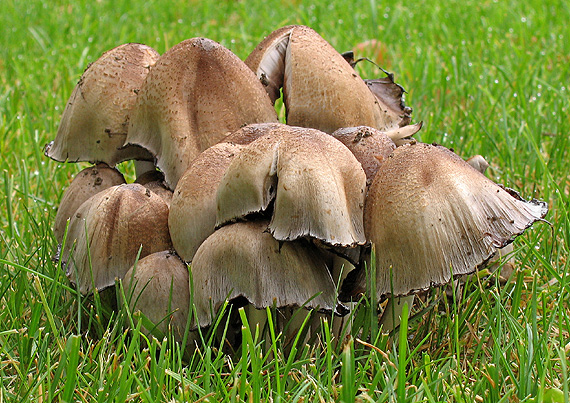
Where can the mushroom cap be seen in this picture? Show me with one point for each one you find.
(86, 183)
(154, 181)
(369, 146)
(107, 231)
(192, 216)
(242, 259)
(316, 184)
(431, 215)
(159, 287)
(195, 95)
(96, 118)
(320, 88)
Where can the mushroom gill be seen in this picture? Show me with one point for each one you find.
(243, 260)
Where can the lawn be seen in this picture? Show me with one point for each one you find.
(485, 77)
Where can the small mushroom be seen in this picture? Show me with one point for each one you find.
(86, 183)
(432, 216)
(243, 260)
(158, 286)
(107, 232)
(313, 182)
(96, 118)
(197, 93)
(369, 146)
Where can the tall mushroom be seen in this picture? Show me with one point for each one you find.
(196, 94)
(96, 118)
(432, 216)
(320, 88)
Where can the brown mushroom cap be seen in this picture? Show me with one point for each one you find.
(86, 183)
(431, 215)
(96, 118)
(320, 89)
(369, 146)
(159, 287)
(242, 259)
(192, 216)
(107, 231)
(195, 95)
(316, 183)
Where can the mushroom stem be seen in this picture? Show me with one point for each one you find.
(142, 167)
(342, 325)
(392, 314)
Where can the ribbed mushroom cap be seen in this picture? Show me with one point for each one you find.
(320, 89)
(86, 183)
(96, 118)
(192, 216)
(195, 95)
(431, 215)
(106, 232)
(242, 259)
(316, 183)
(159, 287)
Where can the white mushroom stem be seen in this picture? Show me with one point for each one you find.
(392, 315)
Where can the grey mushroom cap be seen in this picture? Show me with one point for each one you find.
(85, 184)
(197, 93)
(431, 216)
(107, 231)
(95, 121)
(243, 260)
(314, 183)
(158, 286)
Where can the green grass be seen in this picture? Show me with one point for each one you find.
(486, 77)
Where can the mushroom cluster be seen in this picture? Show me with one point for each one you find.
(258, 212)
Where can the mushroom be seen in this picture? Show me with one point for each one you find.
(431, 216)
(96, 118)
(315, 184)
(192, 216)
(243, 260)
(158, 286)
(196, 94)
(320, 89)
(107, 232)
(86, 183)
